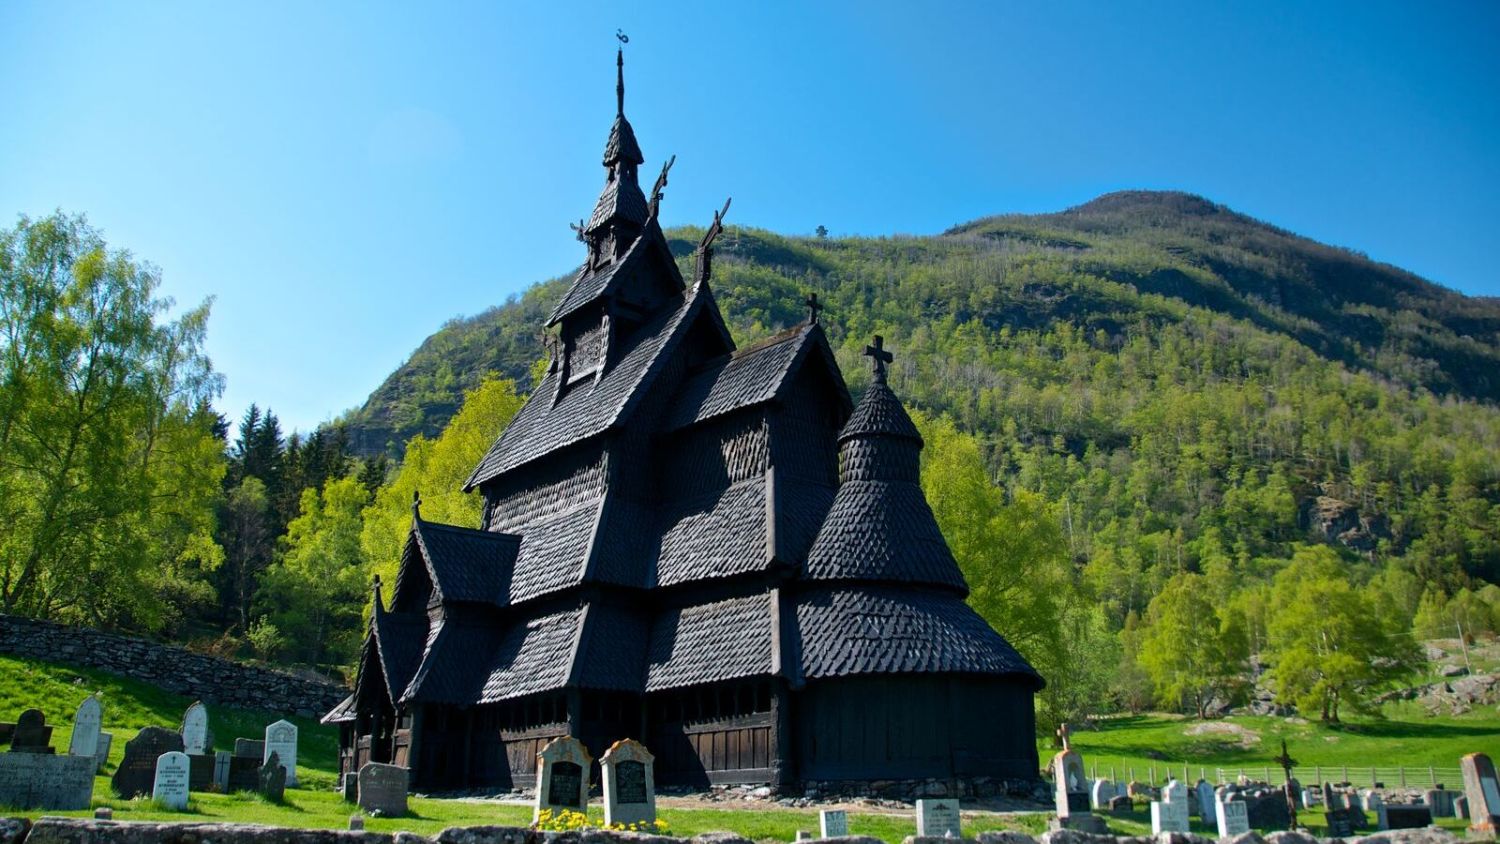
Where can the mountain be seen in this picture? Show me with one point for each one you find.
(1184, 379)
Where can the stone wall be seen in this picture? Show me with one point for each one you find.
(210, 679)
(83, 831)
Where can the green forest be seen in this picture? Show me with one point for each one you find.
(1182, 456)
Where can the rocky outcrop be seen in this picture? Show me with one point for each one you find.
(1336, 521)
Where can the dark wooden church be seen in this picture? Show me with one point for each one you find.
(710, 549)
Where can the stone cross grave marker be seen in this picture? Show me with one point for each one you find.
(562, 777)
(629, 773)
(281, 739)
(221, 770)
(1070, 785)
(195, 729)
(938, 818)
(1100, 795)
(32, 735)
(86, 723)
(1372, 802)
(1206, 803)
(833, 823)
(137, 771)
(382, 789)
(272, 780)
(1233, 816)
(1482, 793)
(101, 753)
(170, 786)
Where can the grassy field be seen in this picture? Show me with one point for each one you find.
(1406, 737)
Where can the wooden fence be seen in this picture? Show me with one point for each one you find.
(1402, 776)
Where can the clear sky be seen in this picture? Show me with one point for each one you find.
(343, 177)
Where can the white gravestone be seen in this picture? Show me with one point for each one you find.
(833, 823)
(171, 784)
(101, 753)
(1174, 792)
(195, 730)
(281, 739)
(1168, 816)
(1233, 816)
(86, 723)
(1374, 804)
(221, 771)
(938, 818)
(562, 777)
(629, 773)
(1100, 795)
(1206, 802)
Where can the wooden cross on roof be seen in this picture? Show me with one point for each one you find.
(813, 306)
(883, 357)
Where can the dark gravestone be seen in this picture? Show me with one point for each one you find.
(250, 747)
(137, 772)
(382, 789)
(349, 787)
(1339, 824)
(1269, 811)
(201, 772)
(272, 779)
(1078, 801)
(32, 735)
(630, 783)
(566, 786)
(244, 773)
(1121, 805)
(1398, 816)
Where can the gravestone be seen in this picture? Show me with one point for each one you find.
(195, 741)
(1206, 802)
(281, 739)
(1309, 798)
(629, 774)
(31, 735)
(1174, 792)
(1375, 804)
(1100, 795)
(562, 777)
(1338, 823)
(170, 785)
(349, 786)
(1167, 816)
(1483, 792)
(1071, 789)
(833, 823)
(938, 818)
(1440, 801)
(1121, 804)
(382, 789)
(101, 753)
(253, 748)
(1407, 816)
(244, 773)
(87, 721)
(1461, 807)
(221, 771)
(201, 771)
(356, 820)
(272, 780)
(46, 781)
(137, 771)
(1233, 816)
(1330, 798)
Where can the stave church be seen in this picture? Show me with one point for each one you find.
(707, 548)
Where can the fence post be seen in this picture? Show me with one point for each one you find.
(1152, 781)
(1346, 773)
(1317, 775)
(1112, 774)
(1401, 775)
(1431, 776)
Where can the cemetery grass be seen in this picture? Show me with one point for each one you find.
(1138, 823)
(130, 705)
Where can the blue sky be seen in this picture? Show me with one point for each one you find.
(345, 177)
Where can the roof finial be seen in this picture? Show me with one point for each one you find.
(706, 245)
(416, 504)
(661, 182)
(813, 306)
(620, 72)
(376, 590)
(881, 356)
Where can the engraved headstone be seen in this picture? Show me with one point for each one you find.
(281, 739)
(1070, 786)
(1206, 803)
(938, 819)
(272, 780)
(31, 735)
(253, 748)
(86, 724)
(195, 729)
(221, 771)
(244, 773)
(833, 823)
(101, 753)
(170, 785)
(383, 788)
(1339, 823)
(1121, 804)
(1373, 803)
(1102, 792)
(1482, 794)
(137, 769)
(562, 777)
(629, 774)
(1461, 807)
(1407, 816)
(1233, 816)
(1169, 816)
(46, 781)
(1440, 801)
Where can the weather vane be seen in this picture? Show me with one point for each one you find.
(620, 34)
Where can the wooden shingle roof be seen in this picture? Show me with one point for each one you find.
(709, 643)
(882, 531)
(466, 565)
(750, 376)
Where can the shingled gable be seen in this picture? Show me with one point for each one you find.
(599, 284)
(392, 648)
(465, 565)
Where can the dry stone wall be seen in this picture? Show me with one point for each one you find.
(210, 679)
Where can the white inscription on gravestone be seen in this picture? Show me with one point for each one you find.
(938, 818)
(195, 729)
(171, 784)
(281, 739)
(833, 823)
(1234, 817)
(1169, 816)
(86, 723)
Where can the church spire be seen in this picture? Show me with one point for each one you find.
(620, 82)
